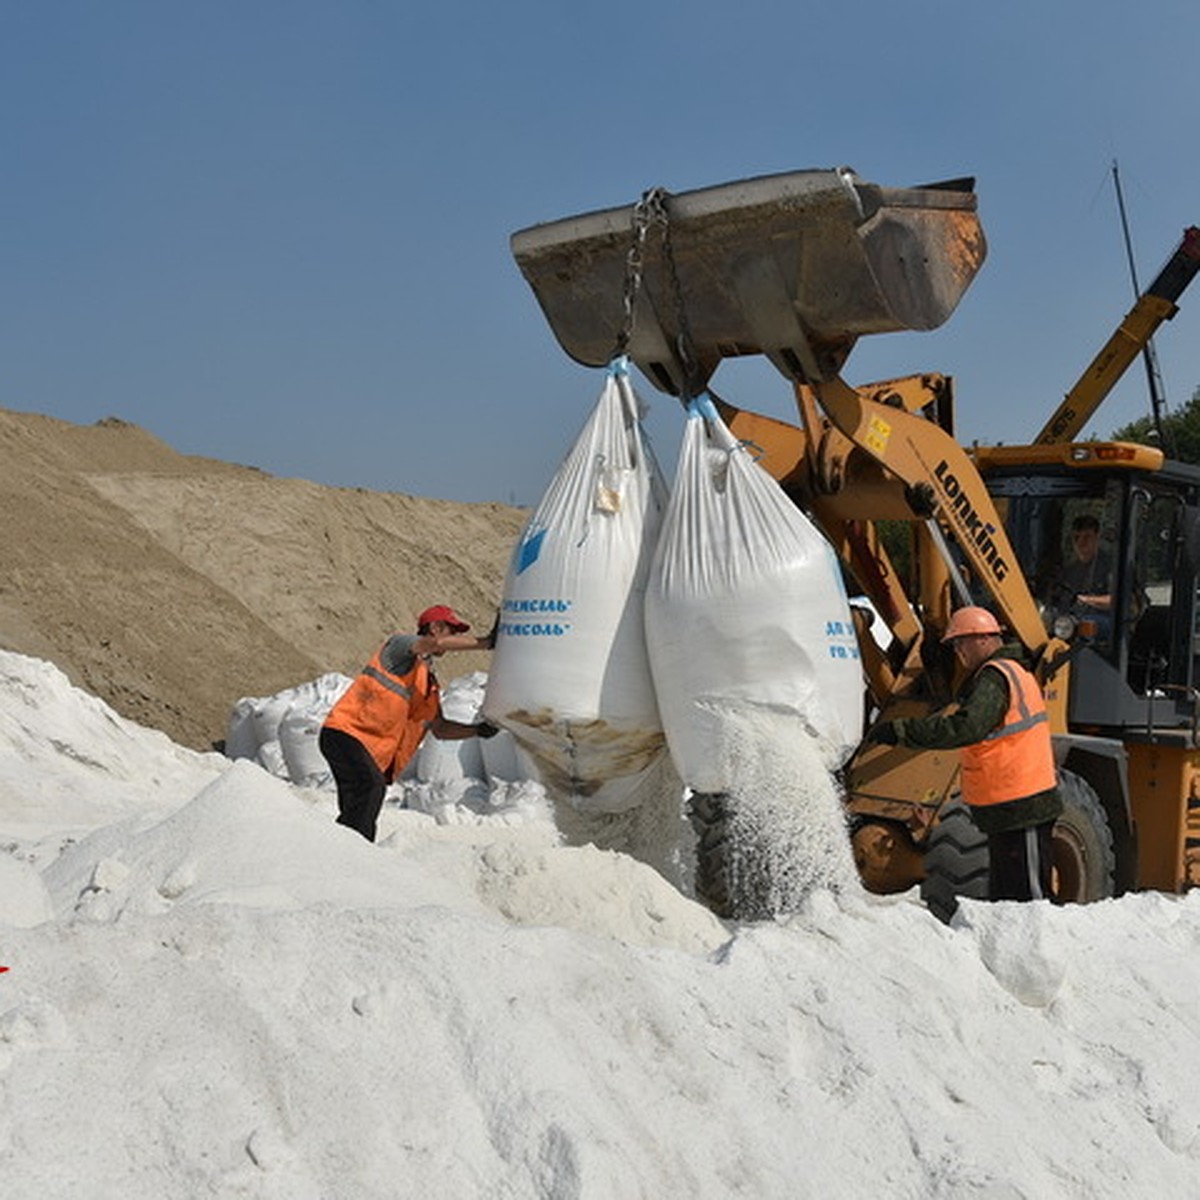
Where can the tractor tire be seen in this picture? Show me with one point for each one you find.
(733, 874)
(1085, 862)
(956, 862)
(708, 813)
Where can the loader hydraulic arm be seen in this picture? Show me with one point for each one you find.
(1155, 305)
(945, 488)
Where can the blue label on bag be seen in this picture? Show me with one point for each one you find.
(512, 611)
(529, 549)
(537, 605)
(837, 630)
(534, 629)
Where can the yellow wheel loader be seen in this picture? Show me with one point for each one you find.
(797, 267)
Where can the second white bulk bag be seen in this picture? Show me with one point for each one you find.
(569, 676)
(745, 610)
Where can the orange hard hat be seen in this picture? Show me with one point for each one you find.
(967, 622)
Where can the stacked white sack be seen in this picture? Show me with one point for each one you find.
(280, 732)
(480, 775)
(745, 611)
(449, 764)
(570, 675)
(452, 780)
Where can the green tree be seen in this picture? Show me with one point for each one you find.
(1181, 431)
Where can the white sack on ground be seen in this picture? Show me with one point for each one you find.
(280, 732)
(461, 781)
(446, 761)
(462, 698)
(491, 759)
(450, 771)
(452, 762)
(299, 734)
(570, 676)
(501, 761)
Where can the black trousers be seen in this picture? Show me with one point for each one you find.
(360, 783)
(1020, 861)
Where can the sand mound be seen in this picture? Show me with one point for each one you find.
(172, 585)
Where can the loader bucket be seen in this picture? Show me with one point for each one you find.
(795, 266)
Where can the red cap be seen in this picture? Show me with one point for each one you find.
(443, 612)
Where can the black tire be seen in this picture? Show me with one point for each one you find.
(956, 861)
(1085, 862)
(708, 813)
(734, 872)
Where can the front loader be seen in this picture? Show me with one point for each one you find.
(797, 267)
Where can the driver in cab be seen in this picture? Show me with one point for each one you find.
(1087, 576)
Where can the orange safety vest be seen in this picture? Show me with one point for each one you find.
(387, 712)
(1016, 759)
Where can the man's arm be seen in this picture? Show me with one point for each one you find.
(455, 731)
(452, 641)
(981, 711)
(1093, 591)
(402, 650)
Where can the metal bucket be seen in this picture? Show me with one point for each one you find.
(795, 266)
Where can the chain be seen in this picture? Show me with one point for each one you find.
(683, 340)
(650, 210)
(645, 213)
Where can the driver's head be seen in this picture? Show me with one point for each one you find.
(1085, 537)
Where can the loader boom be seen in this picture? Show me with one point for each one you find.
(939, 475)
(1154, 306)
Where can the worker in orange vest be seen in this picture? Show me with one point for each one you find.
(1002, 732)
(377, 725)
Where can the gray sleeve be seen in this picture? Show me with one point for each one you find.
(397, 653)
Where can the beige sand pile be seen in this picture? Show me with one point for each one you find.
(170, 586)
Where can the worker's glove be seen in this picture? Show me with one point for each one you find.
(485, 729)
(490, 639)
(885, 734)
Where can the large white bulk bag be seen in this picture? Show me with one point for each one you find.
(745, 610)
(570, 676)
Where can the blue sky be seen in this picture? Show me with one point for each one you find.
(277, 233)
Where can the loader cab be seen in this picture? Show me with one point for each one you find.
(1129, 613)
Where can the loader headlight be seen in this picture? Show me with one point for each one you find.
(1065, 626)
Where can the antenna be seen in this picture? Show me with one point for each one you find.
(1158, 404)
